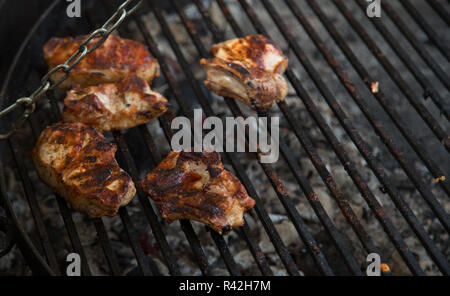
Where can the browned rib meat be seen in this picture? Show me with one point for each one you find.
(189, 185)
(78, 163)
(111, 62)
(114, 106)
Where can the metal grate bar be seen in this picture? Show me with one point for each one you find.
(171, 82)
(34, 206)
(185, 224)
(166, 250)
(386, 223)
(321, 87)
(309, 193)
(225, 253)
(362, 146)
(218, 35)
(146, 265)
(68, 222)
(282, 250)
(193, 240)
(345, 208)
(175, 90)
(220, 243)
(344, 159)
(31, 254)
(275, 181)
(259, 256)
(55, 114)
(428, 88)
(134, 242)
(323, 171)
(441, 103)
(403, 160)
(289, 206)
(106, 245)
(73, 234)
(410, 64)
(426, 28)
(440, 10)
(29, 192)
(151, 216)
(254, 249)
(443, 77)
(201, 259)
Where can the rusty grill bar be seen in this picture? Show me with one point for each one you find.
(149, 267)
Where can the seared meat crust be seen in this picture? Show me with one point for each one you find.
(78, 163)
(114, 106)
(190, 185)
(254, 51)
(248, 69)
(251, 86)
(115, 59)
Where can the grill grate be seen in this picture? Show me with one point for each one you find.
(406, 161)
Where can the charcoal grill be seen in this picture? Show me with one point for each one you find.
(405, 145)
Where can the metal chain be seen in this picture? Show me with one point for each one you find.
(46, 84)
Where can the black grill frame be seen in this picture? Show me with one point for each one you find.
(148, 267)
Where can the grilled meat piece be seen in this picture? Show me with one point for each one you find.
(114, 106)
(111, 62)
(248, 69)
(78, 163)
(190, 185)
